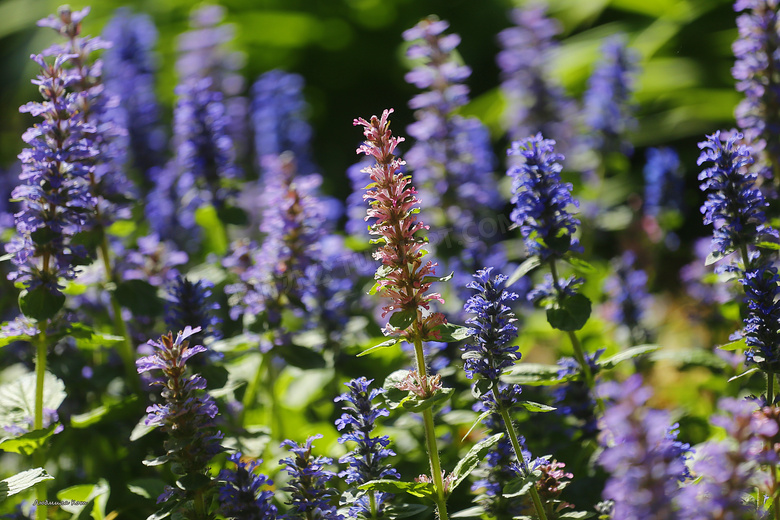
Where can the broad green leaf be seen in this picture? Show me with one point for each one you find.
(402, 319)
(21, 481)
(85, 497)
(40, 303)
(523, 269)
(739, 344)
(385, 344)
(394, 396)
(103, 412)
(214, 235)
(532, 374)
(17, 399)
(535, 407)
(10, 339)
(625, 355)
(28, 443)
(140, 297)
(451, 333)
(468, 463)
(570, 313)
(417, 489)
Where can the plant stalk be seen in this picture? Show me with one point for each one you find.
(39, 457)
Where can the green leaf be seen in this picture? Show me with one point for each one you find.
(104, 412)
(233, 215)
(214, 235)
(716, 256)
(27, 443)
(147, 487)
(523, 269)
(468, 463)
(478, 420)
(193, 482)
(140, 297)
(743, 374)
(40, 303)
(570, 313)
(301, 357)
(579, 264)
(533, 374)
(21, 481)
(451, 333)
(405, 510)
(88, 339)
(481, 387)
(769, 245)
(690, 358)
(471, 512)
(625, 355)
(10, 339)
(402, 319)
(431, 279)
(535, 407)
(17, 399)
(394, 396)
(739, 344)
(413, 403)
(77, 499)
(416, 489)
(577, 515)
(157, 461)
(385, 344)
(521, 485)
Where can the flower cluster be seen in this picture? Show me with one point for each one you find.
(757, 53)
(663, 182)
(493, 327)
(734, 206)
(366, 462)
(645, 462)
(536, 102)
(244, 494)
(309, 496)
(187, 414)
(573, 400)
(761, 329)
(404, 273)
(606, 106)
(542, 200)
(192, 303)
(627, 289)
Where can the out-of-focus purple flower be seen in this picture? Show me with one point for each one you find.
(573, 400)
(278, 118)
(309, 494)
(645, 461)
(130, 67)
(729, 470)
(493, 328)
(663, 181)
(536, 103)
(761, 324)
(628, 297)
(366, 461)
(192, 303)
(452, 157)
(242, 495)
(542, 200)
(607, 107)
(700, 280)
(152, 260)
(187, 413)
(734, 204)
(757, 52)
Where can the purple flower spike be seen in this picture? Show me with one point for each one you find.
(244, 494)
(309, 496)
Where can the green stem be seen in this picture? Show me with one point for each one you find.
(372, 503)
(126, 350)
(770, 397)
(510, 428)
(250, 396)
(430, 434)
(579, 353)
(39, 457)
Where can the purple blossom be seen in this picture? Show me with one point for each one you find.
(734, 204)
(192, 303)
(542, 200)
(278, 118)
(130, 65)
(628, 297)
(663, 182)
(607, 105)
(761, 324)
(757, 52)
(244, 494)
(152, 260)
(186, 413)
(545, 293)
(645, 461)
(366, 461)
(573, 399)
(536, 102)
(309, 494)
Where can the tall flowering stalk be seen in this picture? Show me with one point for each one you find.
(244, 494)
(547, 226)
(405, 275)
(492, 353)
(366, 462)
(309, 494)
(187, 416)
(757, 71)
(645, 461)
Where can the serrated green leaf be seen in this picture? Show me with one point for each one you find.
(21, 481)
(17, 399)
(451, 333)
(472, 459)
(385, 344)
(533, 374)
(417, 489)
(523, 269)
(402, 319)
(570, 313)
(625, 355)
(535, 407)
